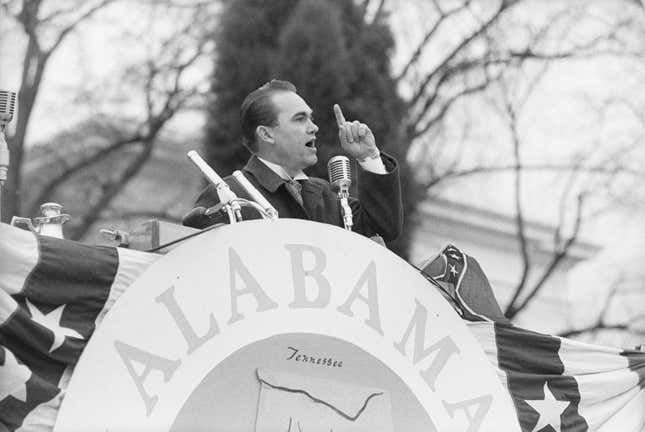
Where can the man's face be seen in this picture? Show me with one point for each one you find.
(293, 138)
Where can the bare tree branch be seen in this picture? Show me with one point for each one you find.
(164, 95)
(416, 54)
(59, 13)
(110, 188)
(517, 199)
(561, 252)
(163, 100)
(35, 61)
(600, 326)
(601, 322)
(422, 87)
(448, 71)
(538, 167)
(67, 29)
(447, 104)
(48, 191)
(379, 11)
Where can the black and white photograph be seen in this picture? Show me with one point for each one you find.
(322, 215)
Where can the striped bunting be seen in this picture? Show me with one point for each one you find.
(53, 294)
(559, 384)
(556, 384)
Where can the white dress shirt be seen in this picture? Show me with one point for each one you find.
(375, 166)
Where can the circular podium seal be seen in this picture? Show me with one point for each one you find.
(283, 326)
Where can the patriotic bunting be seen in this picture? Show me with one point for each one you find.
(562, 385)
(54, 293)
(556, 384)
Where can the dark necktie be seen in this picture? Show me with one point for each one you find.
(295, 189)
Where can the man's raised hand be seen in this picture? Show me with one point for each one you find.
(355, 137)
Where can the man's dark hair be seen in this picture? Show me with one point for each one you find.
(258, 110)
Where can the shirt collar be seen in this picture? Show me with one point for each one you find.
(279, 170)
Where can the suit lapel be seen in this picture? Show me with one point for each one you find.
(265, 176)
(267, 179)
(312, 198)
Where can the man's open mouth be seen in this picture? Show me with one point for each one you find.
(311, 144)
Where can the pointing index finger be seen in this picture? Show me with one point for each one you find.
(340, 118)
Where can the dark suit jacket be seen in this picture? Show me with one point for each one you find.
(377, 211)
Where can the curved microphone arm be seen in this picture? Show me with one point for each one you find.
(247, 203)
(239, 203)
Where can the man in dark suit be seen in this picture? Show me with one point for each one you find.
(278, 128)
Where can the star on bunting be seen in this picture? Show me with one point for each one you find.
(550, 409)
(13, 378)
(52, 322)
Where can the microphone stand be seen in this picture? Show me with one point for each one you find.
(4, 163)
(343, 195)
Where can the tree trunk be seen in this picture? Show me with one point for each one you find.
(32, 73)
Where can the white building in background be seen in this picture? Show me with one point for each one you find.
(491, 238)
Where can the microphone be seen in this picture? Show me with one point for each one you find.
(340, 173)
(7, 106)
(340, 178)
(255, 194)
(224, 193)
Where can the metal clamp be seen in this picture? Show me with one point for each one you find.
(122, 238)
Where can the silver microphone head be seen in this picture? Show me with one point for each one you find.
(7, 106)
(340, 174)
